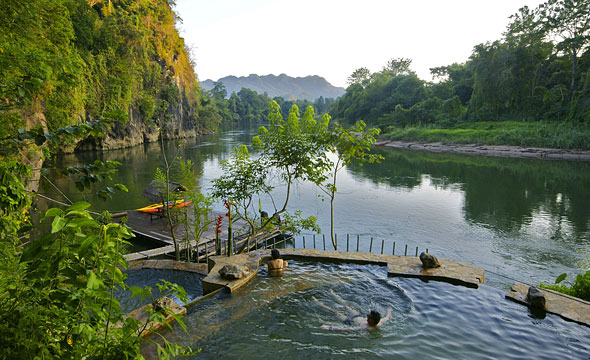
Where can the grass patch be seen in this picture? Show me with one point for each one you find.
(535, 134)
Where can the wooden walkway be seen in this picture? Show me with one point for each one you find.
(157, 229)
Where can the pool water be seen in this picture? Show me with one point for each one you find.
(279, 318)
(190, 281)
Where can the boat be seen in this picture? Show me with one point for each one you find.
(155, 208)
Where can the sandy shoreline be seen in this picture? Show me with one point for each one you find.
(491, 150)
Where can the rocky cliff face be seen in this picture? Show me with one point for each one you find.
(177, 121)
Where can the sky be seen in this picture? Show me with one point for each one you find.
(332, 38)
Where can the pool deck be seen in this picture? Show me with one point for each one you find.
(403, 266)
(568, 307)
(200, 268)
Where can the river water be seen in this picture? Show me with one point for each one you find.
(521, 219)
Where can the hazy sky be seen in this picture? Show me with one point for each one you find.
(333, 38)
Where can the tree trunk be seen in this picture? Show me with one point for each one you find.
(574, 69)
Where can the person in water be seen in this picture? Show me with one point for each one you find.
(354, 321)
(276, 265)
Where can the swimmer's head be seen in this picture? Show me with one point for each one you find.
(275, 254)
(373, 318)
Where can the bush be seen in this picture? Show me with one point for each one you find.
(580, 288)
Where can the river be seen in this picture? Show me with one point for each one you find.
(520, 219)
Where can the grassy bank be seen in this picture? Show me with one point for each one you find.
(549, 135)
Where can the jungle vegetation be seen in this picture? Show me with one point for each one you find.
(247, 107)
(532, 87)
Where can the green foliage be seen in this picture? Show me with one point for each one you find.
(538, 72)
(196, 217)
(243, 178)
(71, 61)
(580, 288)
(248, 107)
(386, 90)
(549, 135)
(293, 146)
(349, 145)
(14, 202)
(57, 294)
(360, 76)
(295, 149)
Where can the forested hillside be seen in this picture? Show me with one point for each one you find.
(291, 88)
(247, 107)
(532, 87)
(65, 62)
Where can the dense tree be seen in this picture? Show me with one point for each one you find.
(360, 76)
(398, 66)
(538, 71)
(568, 22)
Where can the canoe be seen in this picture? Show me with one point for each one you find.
(158, 207)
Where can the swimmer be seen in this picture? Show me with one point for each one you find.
(354, 321)
(276, 265)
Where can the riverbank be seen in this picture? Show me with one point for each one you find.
(536, 135)
(491, 150)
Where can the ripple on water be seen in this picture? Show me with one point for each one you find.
(278, 317)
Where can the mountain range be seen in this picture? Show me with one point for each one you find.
(291, 88)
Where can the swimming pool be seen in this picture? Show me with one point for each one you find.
(190, 281)
(277, 317)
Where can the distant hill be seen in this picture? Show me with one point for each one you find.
(300, 88)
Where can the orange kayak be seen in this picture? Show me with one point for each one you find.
(158, 207)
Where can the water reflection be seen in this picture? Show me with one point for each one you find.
(511, 216)
(505, 195)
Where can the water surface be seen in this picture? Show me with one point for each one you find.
(279, 317)
(522, 219)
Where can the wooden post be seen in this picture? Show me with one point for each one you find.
(416, 251)
(324, 238)
(393, 252)
(303, 243)
(358, 238)
(347, 241)
(371, 246)
(314, 241)
(230, 240)
(382, 245)
(336, 241)
(406, 252)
